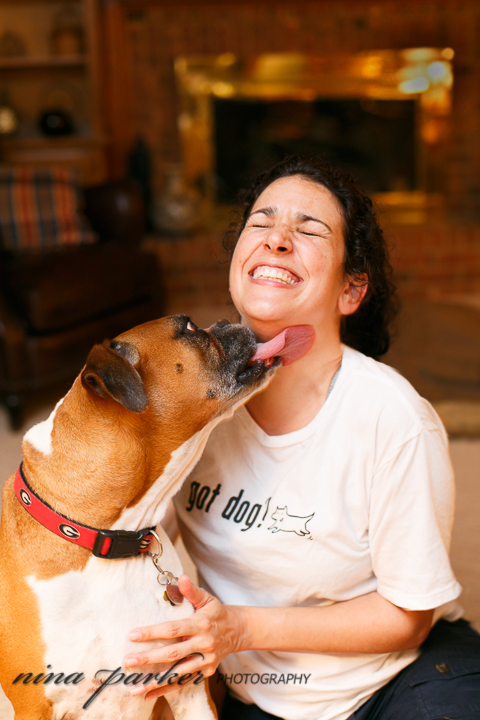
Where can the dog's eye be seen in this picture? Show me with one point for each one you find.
(194, 333)
(191, 327)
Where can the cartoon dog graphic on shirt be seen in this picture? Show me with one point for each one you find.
(290, 523)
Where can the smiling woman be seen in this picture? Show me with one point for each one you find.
(323, 551)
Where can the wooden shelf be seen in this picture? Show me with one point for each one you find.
(41, 141)
(34, 2)
(31, 62)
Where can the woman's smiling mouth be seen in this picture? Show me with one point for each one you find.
(277, 274)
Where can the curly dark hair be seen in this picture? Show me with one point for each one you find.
(366, 252)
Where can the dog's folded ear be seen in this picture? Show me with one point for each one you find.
(110, 372)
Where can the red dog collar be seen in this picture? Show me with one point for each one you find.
(108, 544)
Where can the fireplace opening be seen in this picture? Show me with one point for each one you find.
(375, 140)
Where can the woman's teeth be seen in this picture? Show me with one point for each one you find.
(268, 273)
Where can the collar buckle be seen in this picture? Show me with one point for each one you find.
(116, 544)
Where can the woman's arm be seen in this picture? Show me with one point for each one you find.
(366, 624)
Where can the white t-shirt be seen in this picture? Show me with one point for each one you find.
(361, 499)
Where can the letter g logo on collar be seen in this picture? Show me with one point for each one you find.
(25, 497)
(69, 531)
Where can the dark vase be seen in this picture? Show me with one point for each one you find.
(55, 123)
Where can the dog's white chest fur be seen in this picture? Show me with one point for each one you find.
(86, 617)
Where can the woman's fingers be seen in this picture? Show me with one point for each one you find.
(187, 676)
(194, 594)
(170, 630)
(191, 669)
(193, 635)
(167, 654)
(159, 691)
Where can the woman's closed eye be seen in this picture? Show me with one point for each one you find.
(310, 233)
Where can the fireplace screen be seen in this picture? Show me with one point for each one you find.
(383, 115)
(373, 139)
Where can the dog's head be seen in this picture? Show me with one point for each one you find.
(171, 370)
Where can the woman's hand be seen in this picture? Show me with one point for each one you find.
(212, 633)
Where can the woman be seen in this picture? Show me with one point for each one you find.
(324, 549)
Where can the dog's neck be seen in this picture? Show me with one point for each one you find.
(90, 464)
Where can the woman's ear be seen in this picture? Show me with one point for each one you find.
(354, 291)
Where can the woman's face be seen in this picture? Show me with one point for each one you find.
(287, 268)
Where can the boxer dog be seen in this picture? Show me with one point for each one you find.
(105, 465)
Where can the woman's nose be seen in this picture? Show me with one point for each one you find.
(278, 240)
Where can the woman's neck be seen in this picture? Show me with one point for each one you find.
(297, 392)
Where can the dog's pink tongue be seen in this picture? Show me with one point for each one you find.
(290, 345)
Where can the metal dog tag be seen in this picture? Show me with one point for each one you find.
(172, 591)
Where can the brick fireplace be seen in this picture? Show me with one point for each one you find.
(434, 255)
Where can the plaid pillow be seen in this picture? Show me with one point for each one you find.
(39, 209)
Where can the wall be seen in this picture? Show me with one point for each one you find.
(437, 259)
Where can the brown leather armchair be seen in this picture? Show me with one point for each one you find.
(54, 306)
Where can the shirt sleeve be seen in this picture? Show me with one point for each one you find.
(412, 508)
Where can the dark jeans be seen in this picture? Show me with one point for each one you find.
(442, 684)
